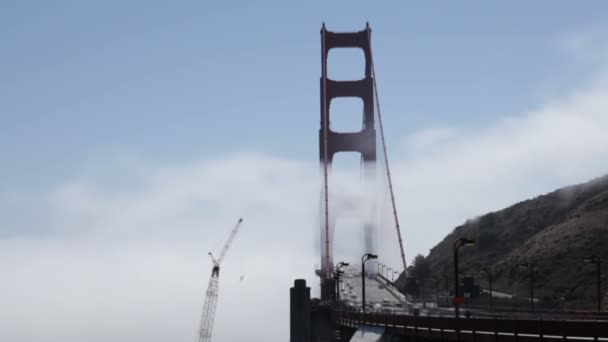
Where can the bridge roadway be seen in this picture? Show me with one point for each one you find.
(381, 296)
(378, 295)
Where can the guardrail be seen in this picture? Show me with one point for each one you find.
(477, 329)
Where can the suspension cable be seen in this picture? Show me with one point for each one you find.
(388, 172)
(325, 154)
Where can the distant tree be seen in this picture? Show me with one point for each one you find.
(411, 286)
(420, 268)
(487, 240)
(421, 271)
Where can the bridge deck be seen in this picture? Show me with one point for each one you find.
(378, 295)
(478, 329)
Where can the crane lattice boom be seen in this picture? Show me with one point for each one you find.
(229, 241)
(208, 316)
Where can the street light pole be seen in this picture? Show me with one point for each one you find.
(489, 272)
(339, 272)
(531, 268)
(364, 258)
(596, 260)
(599, 292)
(456, 312)
(457, 244)
(447, 289)
(436, 292)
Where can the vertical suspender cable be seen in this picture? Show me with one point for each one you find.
(325, 153)
(388, 172)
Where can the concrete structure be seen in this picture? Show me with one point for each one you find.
(470, 289)
(299, 314)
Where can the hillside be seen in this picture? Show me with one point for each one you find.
(555, 232)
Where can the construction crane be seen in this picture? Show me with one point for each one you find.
(206, 327)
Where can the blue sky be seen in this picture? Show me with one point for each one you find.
(177, 81)
(134, 134)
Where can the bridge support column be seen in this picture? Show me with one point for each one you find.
(332, 142)
(299, 314)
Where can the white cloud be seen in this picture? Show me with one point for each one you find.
(133, 265)
(428, 140)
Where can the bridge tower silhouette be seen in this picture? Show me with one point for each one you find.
(331, 142)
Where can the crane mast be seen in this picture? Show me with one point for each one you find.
(208, 316)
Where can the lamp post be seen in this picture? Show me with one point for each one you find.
(596, 260)
(364, 258)
(436, 292)
(338, 273)
(531, 268)
(447, 289)
(489, 272)
(457, 244)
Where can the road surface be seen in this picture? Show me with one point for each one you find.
(378, 295)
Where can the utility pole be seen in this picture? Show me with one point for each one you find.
(530, 266)
(489, 272)
(457, 244)
(596, 260)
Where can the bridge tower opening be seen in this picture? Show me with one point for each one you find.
(332, 142)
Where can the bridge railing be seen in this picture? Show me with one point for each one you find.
(540, 311)
(406, 325)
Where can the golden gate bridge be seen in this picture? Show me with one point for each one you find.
(343, 312)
